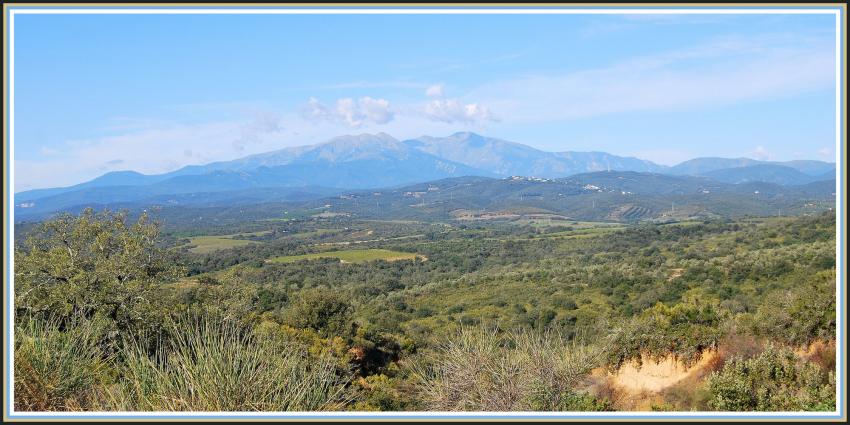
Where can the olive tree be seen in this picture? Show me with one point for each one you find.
(95, 264)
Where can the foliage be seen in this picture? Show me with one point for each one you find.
(684, 331)
(333, 348)
(775, 380)
(380, 392)
(110, 327)
(800, 315)
(94, 264)
(322, 310)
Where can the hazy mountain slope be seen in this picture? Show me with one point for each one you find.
(147, 196)
(350, 162)
(115, 178)
(770, 173)
(701, 166)
(814, 168)
(508, 158)
(379, 147)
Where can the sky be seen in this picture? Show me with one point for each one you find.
(153, 93)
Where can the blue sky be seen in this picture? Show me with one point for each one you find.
(152, 93)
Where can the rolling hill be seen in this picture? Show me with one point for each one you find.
(701, 166)
(769, 173)
(600, 196)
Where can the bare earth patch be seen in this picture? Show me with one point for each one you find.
(674, 273)
(656, 377)
(635, 387)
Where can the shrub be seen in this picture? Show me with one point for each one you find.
(322, 310)
(684, 331)
(775, 380)
(801, 315)
(379, 393)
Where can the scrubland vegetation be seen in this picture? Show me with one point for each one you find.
(114, 314)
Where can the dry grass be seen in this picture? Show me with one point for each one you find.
(206, 366)
(221, 367)
(57, 370)
(482, 370)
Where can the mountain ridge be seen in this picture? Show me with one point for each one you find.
(366, 161)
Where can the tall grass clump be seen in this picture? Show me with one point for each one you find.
(483, 370)
(58, 369)
(220, 366)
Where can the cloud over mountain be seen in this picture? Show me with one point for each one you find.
(349, 111)
(452, 111)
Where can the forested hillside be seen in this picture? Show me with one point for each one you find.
(336, 312)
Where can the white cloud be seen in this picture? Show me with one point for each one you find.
(314, 110)
(154, 150)
(347, 110)
(452, 110)
(761, 153)
(435, 90)
(251, 132)
(827, 154)
(716, 74)
(166, 147)
(374, 110)
(351, 112)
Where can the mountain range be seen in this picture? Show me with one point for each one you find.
(368, 161)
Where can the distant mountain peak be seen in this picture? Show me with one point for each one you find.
(362, 138)
(466, 135)
(123, 173)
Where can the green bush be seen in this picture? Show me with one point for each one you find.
(775, 380)
(684, 331)
(800, 315)
(322, 310)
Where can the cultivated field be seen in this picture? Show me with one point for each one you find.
(351, 256)
(208, 244)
